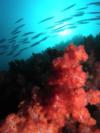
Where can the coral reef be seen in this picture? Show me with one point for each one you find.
(63, 103)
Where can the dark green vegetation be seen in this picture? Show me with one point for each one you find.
(16, 84)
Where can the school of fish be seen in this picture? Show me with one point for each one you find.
(19, 41)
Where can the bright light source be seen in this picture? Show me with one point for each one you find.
(65, 32)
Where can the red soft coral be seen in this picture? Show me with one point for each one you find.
(70, 80)
(69, 99)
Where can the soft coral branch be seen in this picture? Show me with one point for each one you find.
(69, 82)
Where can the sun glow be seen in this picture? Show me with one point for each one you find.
(64, 32)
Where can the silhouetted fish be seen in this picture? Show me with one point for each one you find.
(34, 44)
(15, 46)
(27, 33)
(60, 28)
(71, 24)
(65, 19)
(24, 39)
(17, 32)
(82, 8)
(69, 7)
(94, 3)
(17, 28)
(23, 49)
(12, 52)
(20, 26)
(26, 42)
(93, 12)
(12, 38)
(38, 42)
(46, 19)
(93, 19)
(12, 41)
(85, 20)
(17, 54)
(12, 32)
(2, 40)
(72, 27)
(37, 35)
(13, 49)
(50, 27)
(19, 20)
(3, 46)
(43, 39)
(2, 53)
(80, 22)
(98, 23)
(20, 51)
(79, 14)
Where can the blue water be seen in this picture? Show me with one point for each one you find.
(55, 29)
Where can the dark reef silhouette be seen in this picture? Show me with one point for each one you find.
(17, 83)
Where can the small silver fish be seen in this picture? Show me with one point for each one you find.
(69, 7)
(19, 20)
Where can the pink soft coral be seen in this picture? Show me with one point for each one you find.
(68, 84)
(68, 100)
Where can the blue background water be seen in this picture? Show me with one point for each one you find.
(32, 12)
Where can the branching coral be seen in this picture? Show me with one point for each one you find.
(67, 101)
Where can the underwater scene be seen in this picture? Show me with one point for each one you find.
(49, 66)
